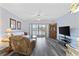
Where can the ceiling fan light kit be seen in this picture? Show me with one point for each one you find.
(74, 7)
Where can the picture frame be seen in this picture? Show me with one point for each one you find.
(18, 25)
(12, 24)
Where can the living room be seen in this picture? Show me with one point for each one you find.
(36, 23)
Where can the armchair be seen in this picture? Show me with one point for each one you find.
(21, 45)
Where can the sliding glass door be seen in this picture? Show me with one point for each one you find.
(41, 30)
(38, 30)
(34, 29)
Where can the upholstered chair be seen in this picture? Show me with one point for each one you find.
(21, 45)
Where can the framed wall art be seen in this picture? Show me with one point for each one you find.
(18, 25)
(12, 24)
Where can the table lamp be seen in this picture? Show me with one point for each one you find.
(8, 31)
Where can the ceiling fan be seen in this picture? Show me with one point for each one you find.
(39, 16)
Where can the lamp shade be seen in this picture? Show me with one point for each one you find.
(8, 30)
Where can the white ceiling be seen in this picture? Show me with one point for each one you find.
(30, 10)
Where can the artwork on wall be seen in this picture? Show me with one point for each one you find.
(12, 24)
(18, 25)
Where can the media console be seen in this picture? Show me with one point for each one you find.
(63, 40)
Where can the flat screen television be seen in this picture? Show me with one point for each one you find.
(65, 30)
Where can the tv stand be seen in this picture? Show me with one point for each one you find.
(63, 40)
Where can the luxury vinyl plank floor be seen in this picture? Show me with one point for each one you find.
(46, 47)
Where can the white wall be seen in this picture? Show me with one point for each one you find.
(71, 20)
(5, 18)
